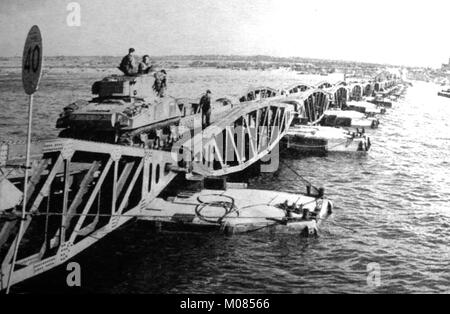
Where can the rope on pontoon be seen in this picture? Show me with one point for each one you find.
(228, 206)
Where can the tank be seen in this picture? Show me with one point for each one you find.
(123, 110)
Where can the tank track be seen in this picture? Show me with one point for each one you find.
(88, 135)
(159, 137)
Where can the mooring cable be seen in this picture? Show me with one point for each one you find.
(300, 176)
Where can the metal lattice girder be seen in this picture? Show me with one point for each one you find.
(266, 113)
(7, 228)
(32, 209)
(87, 180)
(310, 104)
(368, 89)
(297, 88)
(338, 94)
(98, 167)
(323, 85)
(356, 91)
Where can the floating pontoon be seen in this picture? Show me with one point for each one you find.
(366, 107)
(313, 139)
(237, 211)
(349, 118)
(380, 100)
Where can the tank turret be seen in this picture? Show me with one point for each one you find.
(124, 109)
(124, 86)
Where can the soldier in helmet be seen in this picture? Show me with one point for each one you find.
(128, 64)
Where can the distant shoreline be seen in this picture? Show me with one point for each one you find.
(247, 58)
(233, 62)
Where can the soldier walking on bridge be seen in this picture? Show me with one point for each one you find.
(205, 107)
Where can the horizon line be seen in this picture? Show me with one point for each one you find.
(237, 55)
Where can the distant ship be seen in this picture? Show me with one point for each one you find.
(444, 93)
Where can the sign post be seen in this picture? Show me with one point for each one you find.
(31, 75)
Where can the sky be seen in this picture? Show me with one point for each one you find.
(397, 32)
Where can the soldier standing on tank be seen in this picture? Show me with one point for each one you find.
(205, 107)
(144, 66)
(160, 84)
(128, 64)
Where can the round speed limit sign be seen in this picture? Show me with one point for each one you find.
(32, 61)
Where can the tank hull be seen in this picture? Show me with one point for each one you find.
(126, 111)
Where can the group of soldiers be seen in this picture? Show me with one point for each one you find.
(128, 67)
